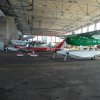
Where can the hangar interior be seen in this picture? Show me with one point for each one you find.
(36, 75)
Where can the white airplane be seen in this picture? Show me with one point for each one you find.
(13, 43)
(12, 49)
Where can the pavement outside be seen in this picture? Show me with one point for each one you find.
(41, 78)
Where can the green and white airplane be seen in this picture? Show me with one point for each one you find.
(84, 39)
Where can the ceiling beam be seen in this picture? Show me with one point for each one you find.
(54, 18)
(83, 4)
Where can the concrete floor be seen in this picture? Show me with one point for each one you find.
(40, 78)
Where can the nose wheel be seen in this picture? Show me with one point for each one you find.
(66, 56)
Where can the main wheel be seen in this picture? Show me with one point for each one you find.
(93, 58)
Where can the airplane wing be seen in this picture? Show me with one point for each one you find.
(85, 39)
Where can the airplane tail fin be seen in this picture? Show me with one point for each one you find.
(59, 46)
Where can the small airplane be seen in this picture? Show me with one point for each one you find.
(40, 46)
(31, 47)
(86, 39)
(25, 46)
(13, 43)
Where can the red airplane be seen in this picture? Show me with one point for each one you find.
(39, 46)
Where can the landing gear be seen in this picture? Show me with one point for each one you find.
(53, 55)
(93, 58)
(20, 54)
(66, 56)
(32, 54)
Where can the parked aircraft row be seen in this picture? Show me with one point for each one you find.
(19, 45)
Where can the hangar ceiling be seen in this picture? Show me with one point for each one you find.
(55, 15)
